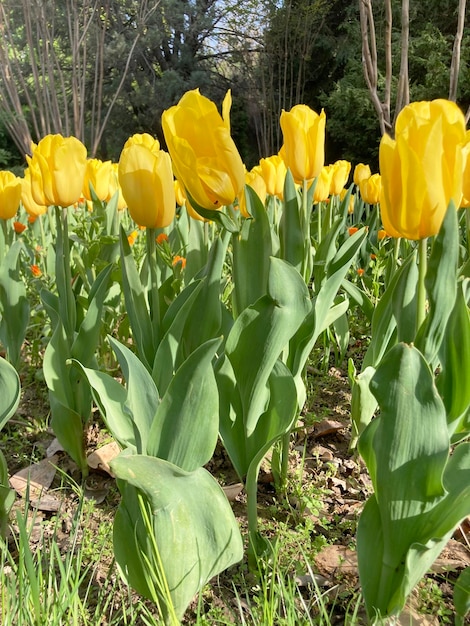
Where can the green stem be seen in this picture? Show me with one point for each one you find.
(285, 444)
(422, 266)
(153, 286)
(3, 239)
(251, 488)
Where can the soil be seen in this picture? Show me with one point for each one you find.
(327, 489)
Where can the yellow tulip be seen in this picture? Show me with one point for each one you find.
(466, 172)
(143, 139)
(31, 206)
(340, 175)
(274, 170)
(146, 180)
(370, 189)
(114, 187)
(322, 188)
(255, 179)
(57, 168)
(99, 174)
(205, 158)
(422, 168)
(304, 142)
(10, 194)
(361, 172)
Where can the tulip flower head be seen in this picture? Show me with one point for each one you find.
(361, 172)
(99, 174)
(340, 175)
(146, 180)
(10, 194)
(321, 193)
(422, 168)
(370, 189)
(33, 209)
(255, 180)
(205, 158)
(304, 142)
(465, 202)
(273, 171)
(57, 168)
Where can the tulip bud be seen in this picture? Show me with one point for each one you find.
(304, 142)
(10, 194)
(57, 168)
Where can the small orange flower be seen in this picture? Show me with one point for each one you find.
(32, 219)
(36, 271)
(352, 230)
(179, 260)
(360, 271)
(161, 238)
(132, 237)
(373, 257)
(19, 227)
(382, 234)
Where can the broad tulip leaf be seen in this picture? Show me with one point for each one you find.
(218, 216)
(441, 285)
(404, 303)
(196, 248)
(454, 357)
(266, 326)
(384, 322)
(205, 318)
(462, 596)
(14, 304)
(420, 494)
(142, 396)
(86, 341)
(316, 321)
(363, 402)
(67, 425)
(291, 233)
(251, 253)
(185, 428)
(277, 420)
(194, 528)
(110, 397)
(169, 349)
(136, 305)
(359, 296)
(10, 391)
(327, 251)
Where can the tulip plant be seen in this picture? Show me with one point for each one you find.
(417, 370)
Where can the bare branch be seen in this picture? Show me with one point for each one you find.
(455, 64)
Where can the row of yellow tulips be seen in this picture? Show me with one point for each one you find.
(422, 169)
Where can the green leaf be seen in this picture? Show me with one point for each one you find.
(441, 285)
(454, 358)
(142, 399)
(10, 391)
(67, 425)
(291, 233)
(185, 428)
(251, 253)
(86, 341)
(462, 596)
(14, 305)
(136, 305)
(195, 532)
(110, 397)
(319, 316)
(267, 325)
(218, 216)
(360, 297)
(384, 322)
